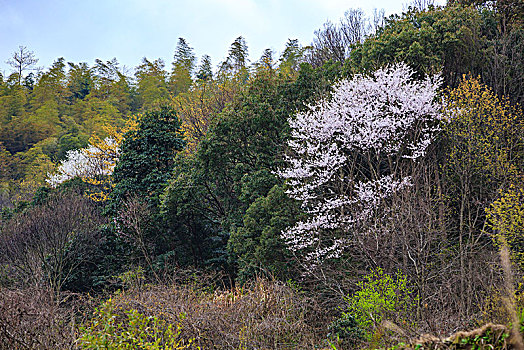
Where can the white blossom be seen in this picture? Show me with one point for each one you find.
(90, 162)
(345, 153)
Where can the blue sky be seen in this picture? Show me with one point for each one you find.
(83, 30)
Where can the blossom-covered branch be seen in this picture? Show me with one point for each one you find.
(87, 163)
(347, 151)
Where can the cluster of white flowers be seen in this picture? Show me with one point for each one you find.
(388, 116)
(90, 162)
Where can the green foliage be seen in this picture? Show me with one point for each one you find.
(132, 278)
(233, 166)
(147, 157)
(4, 163)
(345, 331)
(382, 297)
(70, 140)
(53, 112)
(80, 80)
(454, 40)
(108, 330)
(51, 86)
(245, 144)
(142, 172)
(112, 257)
(237, 59)
(184, 62)
(152, 87)
(427, 41)
(484, 151)
(220, 205)
(205, 70)
(92, 114)
(114, 86)
(187, 208)
(245, 140)
(35, 165)
(257, 243)
(291, 57)
(505, 217)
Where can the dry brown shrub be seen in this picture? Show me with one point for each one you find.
(48, 244)
(32, 319)
(489, 336)
(265, 315)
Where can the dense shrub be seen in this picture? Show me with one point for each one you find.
(380, 298)
(267, 315)
(32, 319)
(345, 331)
(52, 243)
(108, 330)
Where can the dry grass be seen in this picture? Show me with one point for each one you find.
(267, 315)
(264, 315)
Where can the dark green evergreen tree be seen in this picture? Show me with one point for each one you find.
(292, 56)
(188, 210)
(147, 157)
(184, 55)
(234, 166)
(237, 59)
(258, 244)
(205, 71)
(80, 80)
(146, 163)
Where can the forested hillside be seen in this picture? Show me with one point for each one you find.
(363, 191)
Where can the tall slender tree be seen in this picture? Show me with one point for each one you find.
(183, 65)
(22, 60)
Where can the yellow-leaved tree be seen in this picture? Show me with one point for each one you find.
(484, 130)
(483, 137)
(105, 152)
(95, 163)
(506, 220)
(198, 107)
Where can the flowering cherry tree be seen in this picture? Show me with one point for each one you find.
(92, 162)
(348, 151)
(95, 163)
